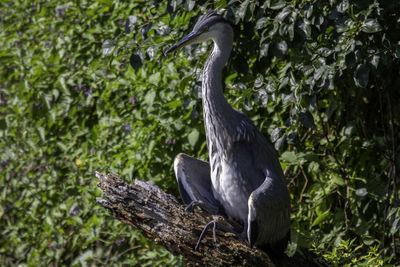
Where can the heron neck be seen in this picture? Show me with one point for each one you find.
(214, 102)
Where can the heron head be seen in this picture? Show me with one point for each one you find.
(209, 26)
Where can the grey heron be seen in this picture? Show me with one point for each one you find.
(243, 179)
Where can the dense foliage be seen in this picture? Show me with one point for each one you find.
(85, 86)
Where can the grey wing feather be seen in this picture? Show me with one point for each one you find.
(269, 213)
(194, 182)
(269, 201)
(263, 156)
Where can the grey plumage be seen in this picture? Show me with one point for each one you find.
(244, 179)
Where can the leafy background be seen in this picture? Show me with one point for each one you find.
(85, 86)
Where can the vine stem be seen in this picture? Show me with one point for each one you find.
(341, 167)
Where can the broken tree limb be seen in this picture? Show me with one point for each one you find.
(162, 218)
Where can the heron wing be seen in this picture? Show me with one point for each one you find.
(257, 150)
(194, 182)
(269, 213)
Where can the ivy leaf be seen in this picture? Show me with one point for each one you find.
(362, 192)
(41, 133)
(395, 226)
(130, 24)
(264, 50)
(263, 97)
(146, 28)
(277, 4)
(3, 125)
(289, 157)
(242, 10)
(283, 14)
(275, 134)
(305, 27)
(307, 119)
(371, 26)
(108, 46)
(320, 218)
(136, 61)
(361, 75)
(397, 52)
(280, 142)
(261, 23)
(282, 47)
(190, 5)
(193, 137)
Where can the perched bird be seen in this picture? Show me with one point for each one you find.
(243, 179)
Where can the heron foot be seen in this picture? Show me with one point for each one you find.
(213, 223)
(196, 203)
(221, 226)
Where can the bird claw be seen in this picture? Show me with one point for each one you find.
(214, 225)
(197, 203)
(223, 227)
(190, 207)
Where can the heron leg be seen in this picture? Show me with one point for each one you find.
(194, 182)
(214, 224)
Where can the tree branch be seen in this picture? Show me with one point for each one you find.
(162, 218)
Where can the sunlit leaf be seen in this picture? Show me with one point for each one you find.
(361, 75)
(130, 24)
(362, 192)
(371, 26)
(319, 220)
(108, 47)
(193, 137)
(289, 157)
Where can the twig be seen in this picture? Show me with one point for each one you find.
(305, 183)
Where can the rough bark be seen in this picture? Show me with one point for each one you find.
(162, 218)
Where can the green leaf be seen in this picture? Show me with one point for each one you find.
(173, 104)
(149, 98)
(371, 26)
(145, 29)
(284, 13)
(3, 124)
(108, 47)
(277, 4)
(190, 5)
(261, 23)
(136, 61)
(193, 137)
(307, 119)
(242, 10)
(395, 226)
(320, 218)
(282, 47)
(83, 258)
(362, 192)
(337, 179)
(130, 24)
(275, 134)
(41, 133)
(361, 75)
(289, 157)
(264, 50)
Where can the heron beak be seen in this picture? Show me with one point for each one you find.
(188, 39)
